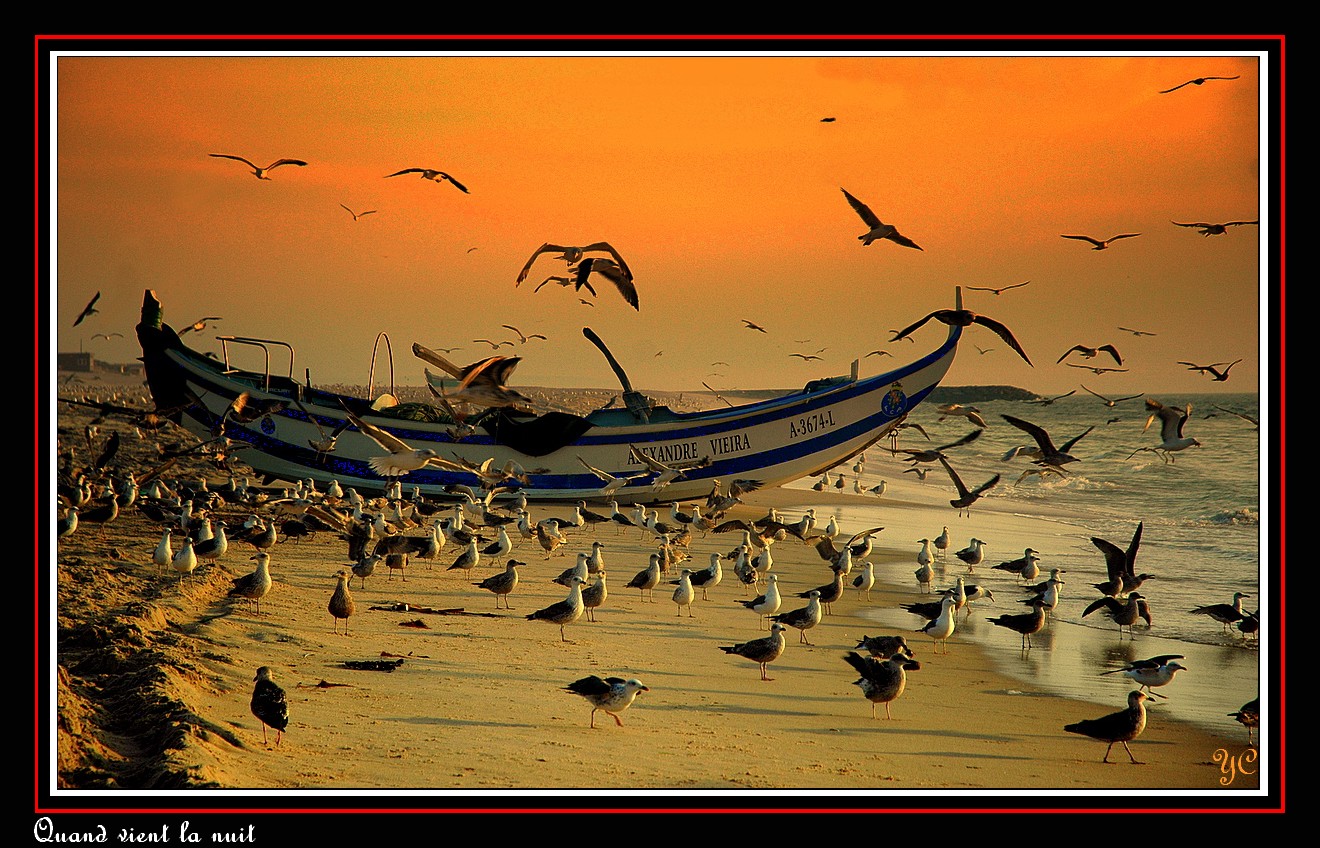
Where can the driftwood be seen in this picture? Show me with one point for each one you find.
(431, 610)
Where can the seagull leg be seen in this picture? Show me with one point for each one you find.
(593, 716)
(1130, 757)
(617, 720)
(1107, 750)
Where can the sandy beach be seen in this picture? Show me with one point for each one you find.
(155, 676)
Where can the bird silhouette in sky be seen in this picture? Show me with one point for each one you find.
(1215, 229)
(261, 173)
(1101, 245)
(89, 309)
(1197, 81)
(357, 215)
(433, 175)
(878, 229)
(998, 290)
(965, 318)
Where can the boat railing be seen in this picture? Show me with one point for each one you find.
(371, 375)
(261, 343)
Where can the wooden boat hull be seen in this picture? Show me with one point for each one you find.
(773, 441)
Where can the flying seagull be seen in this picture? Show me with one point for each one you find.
(573, 256)
(965, 318)
(1172, 421)
(87, 310)
(966, 497)
(522, 337)
(258, 171)
(108, 336)
(431, 174)
(1098, 369)
(1090, 352)
(613, 271)
(1101, 245)
(1135, 332)
(878, 229)
(1215, 229)
(998, 290)
(1046, 401)
(200, 324)
(1049, 455)
(357, 215)
(1212, 369)
(753, 326)
(1112, 402)
(806, 357)
(1197, 81)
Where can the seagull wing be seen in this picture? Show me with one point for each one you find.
(456, 183)
(957, 481)
(1102, 397)
(970, 437)
(304, 411)
(913, 327)
(1082, 348)
(547, 247)
(1112, 352)
(1115, 559)
(393, 444)
(87, 310)
(236, 158)
(603, 475)
(1036, 432)
(1176, 87)
(1121, 236)
(1067, 446)
(279, 162)
(1003, 333)
(405, 171)
(1197, 224)
(1086, 238)
(869, 217)
(609, 248)
(898, 238)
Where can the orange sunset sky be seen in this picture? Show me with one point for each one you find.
(715, 178)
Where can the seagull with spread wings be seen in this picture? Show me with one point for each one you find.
(1197, 81)
(1172, 422)
(965, 318)
(573, 256)
(1212, 369)
(966, 497)
(1112, 402)
(1090, 352)
(1049, 455)
(609, 269)
(433, 175)
(89, 309)
(357, 215)
(998, 290)
(200, 324)
(1102, 244)
(753, 326)
(523, 338)
(401, 457)
(1215, 229)
(261, 173)
(878, 229)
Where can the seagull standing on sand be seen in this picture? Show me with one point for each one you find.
(1156, 671)
(256, 585)
(1172, 422)
(1225, 614)
(767, 604)
(942, 626)
(185, 560)
(1122, 613)
(972, 554)
(341, 604)
(647, 579)
(965, 318)
(564, 612)
(1121, 727)
(761, 651)
(611, 695)
(802, 618)
(1024, 623)
(433, 175)
(877, 229)
(881, 681)
(269, 705)
(503, 583)
(261, 173)
(684, 595)
(1101, 245)
(163, 555)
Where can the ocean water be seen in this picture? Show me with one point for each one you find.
(1206, 536)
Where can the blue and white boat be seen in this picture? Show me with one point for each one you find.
(772, 441)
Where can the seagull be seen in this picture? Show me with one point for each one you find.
(357, 215)
(1249, 717)
(1049, 455)
(881, 681)
(1112, 402)
(1225, 614)
(256, 585)
(612, 695)
(708, 577)
(1197, 81)
(185, 560)
(402, 457)
(1121, 727)
(431, 174)
(89, 309)
(865, 579)
(684, 595)
(1049, 400)
(612, 483)
(1025, 623)
(595, 595)
(1172, 421)
(973, 554)
(965, 318)
(1101, 245)
(761, 651)
(971, 413)
(1123, 613)
(341, 601)
(942, 626)
(269, 704)
(612, 271)
(573, 256)
(802, 618)
(648, 578)
(878, 353)
(806, 357)
(564, 612)
(1212, 369)
(998, 290)
(1090, 352)
(752, 326)
(1136, 332)
(1023, 565)
(925, 575)
(941, 542)
(1156, 671)
(108, 336)
(933, 454)
(1120, 564)
(885, 646)
(1215, 229)
(200, 324)
(522, 337)
(258, 171)
(878, 229)
(482, 382)
(1241, 415)
(966, 497)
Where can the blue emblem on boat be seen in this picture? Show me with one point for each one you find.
(894, 403)
(268, 425)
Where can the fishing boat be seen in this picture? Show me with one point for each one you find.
(660, 454)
